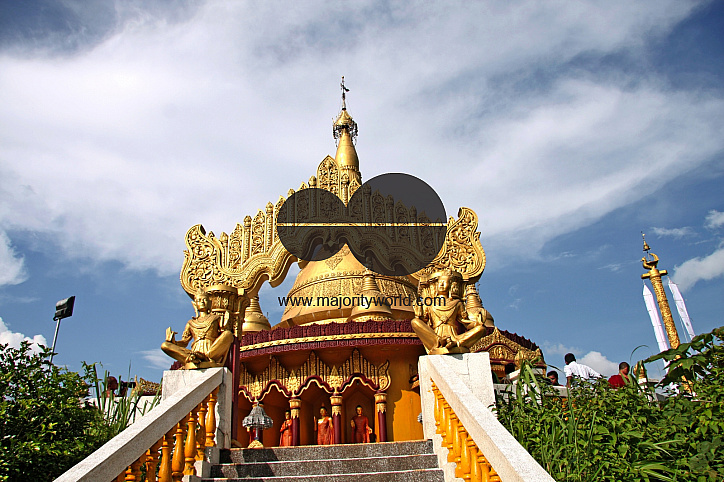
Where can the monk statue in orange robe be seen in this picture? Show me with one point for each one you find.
(361, 427)
(442, 323)
(324, 428)
(285, 440)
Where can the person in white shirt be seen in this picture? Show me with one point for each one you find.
(573, 369)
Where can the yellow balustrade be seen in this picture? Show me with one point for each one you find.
(211, 419)
(175, 454)
(178, 460)
(164, 471)
(133, 473)
(470, 462)
(201, 432)
(152, 461)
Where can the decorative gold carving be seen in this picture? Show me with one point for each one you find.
(314, 339)
(295, 405)
(462, 250)
(296, 381)
(337, 258)
(500, 347)
(381, 402)
(336, 401)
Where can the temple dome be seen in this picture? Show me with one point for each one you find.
(340, 276)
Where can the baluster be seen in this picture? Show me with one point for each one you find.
(464, 457)
(152, 461)
(439, 412)
(201, 432)
(485, 468)
(452, 429)
(211, 419)
(177, 463)
(164, 472)
(472, 450)
(458, 440)
(133, 473)
(444, 420)
(190, 449)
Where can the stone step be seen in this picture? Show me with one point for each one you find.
(289, 468)
(421, 475)
(318, 452)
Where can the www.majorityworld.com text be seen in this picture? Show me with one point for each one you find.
(342, 301)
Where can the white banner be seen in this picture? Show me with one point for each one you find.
(655, 320)
(681, 308)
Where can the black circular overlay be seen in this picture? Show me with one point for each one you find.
(394, 224)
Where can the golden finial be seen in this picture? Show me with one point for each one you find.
(344, 91)
(344, 130)
(646, 245)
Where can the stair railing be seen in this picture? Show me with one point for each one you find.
(167, 441)
(471, 444)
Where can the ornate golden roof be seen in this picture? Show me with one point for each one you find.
(253, 254)
(333, 286)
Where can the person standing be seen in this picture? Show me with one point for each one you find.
(324, 428)
(577, 370)
(361, 425)
(621, 378)
(285, 440)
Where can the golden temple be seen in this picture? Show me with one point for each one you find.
(325, 351)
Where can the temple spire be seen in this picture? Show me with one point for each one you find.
(344, 130)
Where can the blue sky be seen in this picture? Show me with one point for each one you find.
(569, 127)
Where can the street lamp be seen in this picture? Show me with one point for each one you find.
(63, 309)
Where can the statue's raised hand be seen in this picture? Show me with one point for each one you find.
(170, 335)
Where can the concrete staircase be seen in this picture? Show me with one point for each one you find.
(383, 462)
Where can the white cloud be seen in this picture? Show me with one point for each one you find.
(114, 152)
(676, 233)
(690, 272)
(615, 267)
(558, 349)
(157, 358)
(600, 363)
(12, 266)
(13, 339)
(714, 219)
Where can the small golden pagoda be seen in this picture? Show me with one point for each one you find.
(326, 351)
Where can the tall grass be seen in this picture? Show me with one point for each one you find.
(118, 411)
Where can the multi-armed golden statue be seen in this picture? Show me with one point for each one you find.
(211, 334)
(442, 322)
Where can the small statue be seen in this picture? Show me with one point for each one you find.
(324, 428)
(361, 427)
(211, 336)
(445, 326)
(285, 439)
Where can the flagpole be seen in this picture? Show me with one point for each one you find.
(650, 261)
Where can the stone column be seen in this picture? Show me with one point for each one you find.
(381, 409)
(337, 417)
(294, 407)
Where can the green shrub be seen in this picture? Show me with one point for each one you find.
(45, 426)
(628, 434)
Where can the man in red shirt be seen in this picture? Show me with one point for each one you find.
(620, 379)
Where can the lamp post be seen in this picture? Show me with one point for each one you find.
(257, 421)
(63, 309)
